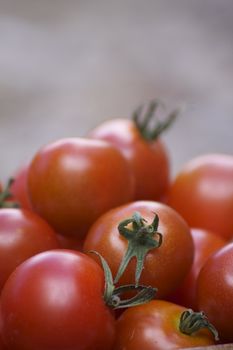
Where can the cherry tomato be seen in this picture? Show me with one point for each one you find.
(205, 244)
(164, 267)
(54, 300)
(215, 291)
(203, 193)
(67, 242)
(73, 181)
(155, 326)
(22, 235)
(144, 151)
(19, 189)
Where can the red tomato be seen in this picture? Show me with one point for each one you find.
(54, 300)
(164, 267)
(22, 235)
(73, 181)
(205, 244)
(2, 345)
(155, 326)
(67, 242)
(215, 291)
(19, 189)
(203, 193)
(148, 159)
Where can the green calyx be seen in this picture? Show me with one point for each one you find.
(112, 295)
(141, 239)
(147, 123)
(5, 195)
(191, 322)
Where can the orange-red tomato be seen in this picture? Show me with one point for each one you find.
(155, 326)
(203, 193)
(215, 291)
(73, 181)
(164, 267)
(19, 189)
(205, 244)
(148, 160)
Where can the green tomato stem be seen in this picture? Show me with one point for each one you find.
(112, 295)
(5, 195)
(140, 241)
(191, 322)
(148, 124)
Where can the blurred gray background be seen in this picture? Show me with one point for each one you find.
(67, 65)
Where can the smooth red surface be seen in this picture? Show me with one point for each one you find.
(215, 291)
(73, 181)
(19, 188)
(164, 267)
(149, 161)
(55, 301)
(22, 235)
(203, 193)
(155, 326)
(205, 244)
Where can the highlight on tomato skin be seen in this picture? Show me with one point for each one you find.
(202, 193)
(73, 181)
(215, 291)
(165, 267)
(54, 300)
(206, 243)
(156, 326)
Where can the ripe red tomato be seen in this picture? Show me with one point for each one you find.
(67, 242)
(146, 154)
(203, 193)
(19, 189)
(205, 244)
(73, 181)
(54, 300)
(22, 235)
(155, 326)
(215, 291)
(164, 267)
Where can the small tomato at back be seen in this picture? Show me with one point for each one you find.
(143, 149)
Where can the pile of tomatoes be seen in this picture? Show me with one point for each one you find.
(101, 249)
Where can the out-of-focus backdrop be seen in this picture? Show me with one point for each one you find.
(66, 65)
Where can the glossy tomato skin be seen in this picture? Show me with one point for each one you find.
(215, 291)
(155, 326)
(54, 300)
(164, 267)
(148, 160)
(203, 193)
(206, 243)
(22, 235)
(19, 188)
(73, 181)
